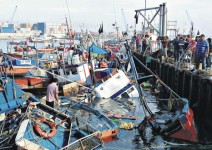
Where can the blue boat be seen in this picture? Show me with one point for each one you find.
(13, 105)
(97, 119)
(48, 128)
(19, 66)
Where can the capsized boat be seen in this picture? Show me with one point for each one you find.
(113, 83)
(13, 105)
(180, 124)
(48, 128)
(97, 119)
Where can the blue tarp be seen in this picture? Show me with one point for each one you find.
(94, 49)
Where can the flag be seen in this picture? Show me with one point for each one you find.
(101, 29)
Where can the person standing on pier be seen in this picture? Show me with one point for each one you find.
(165, 43)
(209, 58)
(176, 48)
(202, 51)
(52, 93)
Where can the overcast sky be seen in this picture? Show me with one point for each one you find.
(92, 12)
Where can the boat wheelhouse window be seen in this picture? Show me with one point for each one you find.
(130, 90)
(125, 95)
(151, 30)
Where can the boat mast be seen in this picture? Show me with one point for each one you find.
(135, 74)
(69, 33)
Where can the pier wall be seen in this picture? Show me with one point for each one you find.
(197, 89)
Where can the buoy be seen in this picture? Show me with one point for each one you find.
(43, 133)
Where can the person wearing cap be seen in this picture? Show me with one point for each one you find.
(202, 51)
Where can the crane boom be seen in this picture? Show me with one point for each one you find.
(125, 23)
(13, 15)
(191, 22)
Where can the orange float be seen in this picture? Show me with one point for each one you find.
(43, 133)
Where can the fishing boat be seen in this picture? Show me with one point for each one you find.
(17, 66)
(177, 125)
(13, 106)
(47, 128)
(97, 119)
(113, 83)
(45, 50)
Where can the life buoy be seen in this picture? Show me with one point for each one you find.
(85, 55)
(43, 133)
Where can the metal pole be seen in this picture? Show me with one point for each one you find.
(145, 20)
(156, 77)
(160, 21)
(133, 67)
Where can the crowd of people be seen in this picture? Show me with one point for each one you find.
(199, 48)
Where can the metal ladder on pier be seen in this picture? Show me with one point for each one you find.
(175, 80)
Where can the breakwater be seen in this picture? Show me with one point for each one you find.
(197, 89)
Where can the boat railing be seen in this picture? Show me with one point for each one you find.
(90, 142)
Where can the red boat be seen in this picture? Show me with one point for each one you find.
(181, 127)
(32, 82)
(15, 70)
(13, 43)
(20, 49)
(20, 55)
(45, 50)
(188, 130)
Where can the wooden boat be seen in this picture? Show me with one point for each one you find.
(105, 77)
(97, 119)
(35, 78)
(180, 124)
(119, 83)
(47, 128)
(13, 43)
(45, 50)
(17, 66)
(13, 106)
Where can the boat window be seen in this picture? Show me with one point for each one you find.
(118, 77)
(57, 121)
(125, 95)
(130, 90)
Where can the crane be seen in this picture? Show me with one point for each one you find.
(192, 24)
(13, 15)
(125, 23)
